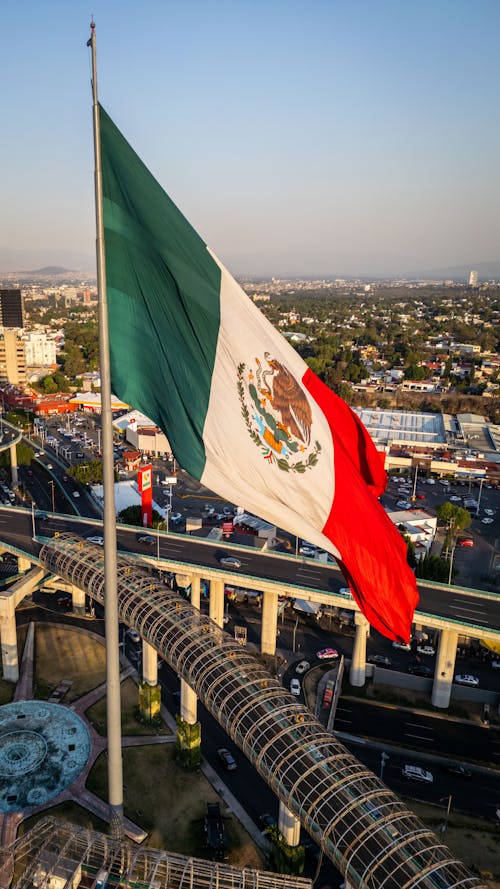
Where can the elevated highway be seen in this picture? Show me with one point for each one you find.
(360, 825)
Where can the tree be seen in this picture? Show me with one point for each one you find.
(88, 473)
(132, 515)
(433, 568)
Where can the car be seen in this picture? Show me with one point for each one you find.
(79, 454)
(64, 601)
(147, 539)
(402, 646)
(133, 635)
(489, 512)
(467, 679)
(455, 499)
(295, 686)
(41, 514)
(420, 496)
(230, 562)
(421, 670)
(426, 649)
(415, 773)
(495, 665)
(38, 453)
(96, 539)
(344, 591)
(465, 541)
(379, 659)
(307, 550)
(227, 759)
(431, 481)
(49, 466)
(175, 518)
(457, 768)
(325, 653)
(403, 504)
(76, 493)
(487, 521)
(267, 820)
(65, 478)
(302, 667)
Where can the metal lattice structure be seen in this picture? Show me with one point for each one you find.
(363, 827)
(54, 853)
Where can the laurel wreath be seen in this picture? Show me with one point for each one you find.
(286, 466)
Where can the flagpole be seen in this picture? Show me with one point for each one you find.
(113, 700)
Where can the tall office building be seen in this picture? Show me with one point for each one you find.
(11, 308)
(12, 352)
(473, 278)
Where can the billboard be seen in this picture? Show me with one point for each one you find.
(145, 487)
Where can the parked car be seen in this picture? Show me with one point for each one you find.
(489, 512)
(495, 665)
(96, 539)
(380, 659)
(403, 504)
(415, 773)
(227, 758)
(295, 686)
(420, 496)
(175, 518)
(230, 562)
(465, 541)
(326, 653)
(402, 646)
(455, 499)
(487, 521)
(426, 649)
(302, 667)
(467, 679)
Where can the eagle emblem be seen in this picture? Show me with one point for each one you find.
(277, 414)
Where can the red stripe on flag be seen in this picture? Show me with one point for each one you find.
(373, 551)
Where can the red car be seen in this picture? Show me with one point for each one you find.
(466, 541)
(420, 496)
(326, 653)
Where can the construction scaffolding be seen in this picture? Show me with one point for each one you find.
(368, 833)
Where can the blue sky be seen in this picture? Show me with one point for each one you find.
(327, 137)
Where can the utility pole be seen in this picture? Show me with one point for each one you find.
(51, 484)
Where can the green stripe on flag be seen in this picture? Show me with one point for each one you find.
(163, 292)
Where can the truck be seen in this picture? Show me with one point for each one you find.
(314, 609)
(215, 832)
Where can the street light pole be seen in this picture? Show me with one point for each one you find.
(448, 808)
(383, 759)
(413, 496)
(481, 482)
(51, 483)
(33, 528)
(452, 553)
(294, 632)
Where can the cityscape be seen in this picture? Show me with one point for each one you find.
(250, 446)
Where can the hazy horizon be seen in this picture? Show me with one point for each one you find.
(341, 138)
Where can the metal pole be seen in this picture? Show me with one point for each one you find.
(51, 483)
(113, 702)
(413, 496)
(452, 553)
(481, 482)
(33, 528)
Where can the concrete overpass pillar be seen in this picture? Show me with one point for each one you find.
(188, 741)
(269, 623)
(8, 640)
(13, 466)
(445, 668)
(358, 663)
(288, 825)
(23, 564)
(149, 690)
(78, 599)
(216, 604)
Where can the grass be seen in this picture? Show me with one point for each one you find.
(68, 811)
(171, 804)
(130, 725)
(67, 653)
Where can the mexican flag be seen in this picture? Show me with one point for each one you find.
(242, 411)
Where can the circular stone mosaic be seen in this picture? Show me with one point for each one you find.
(43, 748)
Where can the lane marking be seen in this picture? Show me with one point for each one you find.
(420, 737)
(425, 728)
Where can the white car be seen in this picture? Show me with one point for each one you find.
(402, 646)
(230, 562)
(415, 773)
(307, 551)
(98, 540)
(455, 499)
(426, 649)
(487, 521)
(76, 494)
(431, 481)
(403, 504)
(344, 591)
(467, 679)
(489, 512)
(295, 687)
(302, 667)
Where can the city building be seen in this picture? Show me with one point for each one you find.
(473, 278)
(11, 309)
(12, 356)
(40, 351)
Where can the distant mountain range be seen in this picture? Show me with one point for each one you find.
(47, 271)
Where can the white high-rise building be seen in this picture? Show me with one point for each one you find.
(473, 278)
(40, 351)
